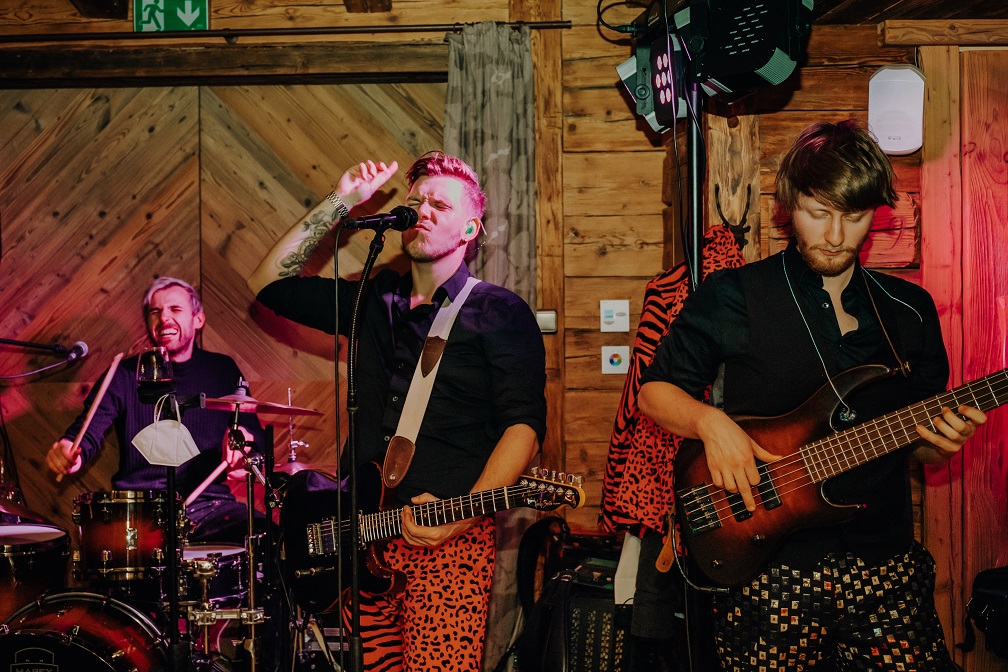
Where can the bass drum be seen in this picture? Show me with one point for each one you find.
(82, 631)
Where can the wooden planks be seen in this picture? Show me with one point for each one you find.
(98, 198)
(984, 94)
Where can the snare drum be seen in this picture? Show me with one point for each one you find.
(33, 559)
(225, 569)
(122, 533)
(81, 631)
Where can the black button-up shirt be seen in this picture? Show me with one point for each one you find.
(491, 376)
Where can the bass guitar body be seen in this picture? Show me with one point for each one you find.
(732, 545)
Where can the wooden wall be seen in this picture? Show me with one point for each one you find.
(105, 189)
(204, 150)
(612, 230)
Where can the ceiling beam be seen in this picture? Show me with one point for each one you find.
(56, 66)
(367, 6)
(961, 32)
(102, 9)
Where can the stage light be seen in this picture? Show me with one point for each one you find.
(735, 46)
(654, 77)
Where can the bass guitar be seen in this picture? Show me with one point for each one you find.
(730, 544)
(316, 542)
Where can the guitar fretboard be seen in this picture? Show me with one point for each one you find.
(324, 537)
(853, 447)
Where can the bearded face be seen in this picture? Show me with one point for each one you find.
(829, 240)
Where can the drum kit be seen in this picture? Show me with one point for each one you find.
(143, 597)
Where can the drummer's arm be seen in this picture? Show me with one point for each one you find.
(58, 459)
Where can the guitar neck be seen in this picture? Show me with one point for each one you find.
(853, 447)
(386, 524)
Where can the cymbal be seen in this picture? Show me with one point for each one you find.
(291, 468)
(13, 513)
(246, 404)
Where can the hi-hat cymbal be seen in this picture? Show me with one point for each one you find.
(246, 404)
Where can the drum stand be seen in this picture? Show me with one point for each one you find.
(207, 614)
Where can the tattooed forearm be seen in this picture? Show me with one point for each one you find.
(316, 226)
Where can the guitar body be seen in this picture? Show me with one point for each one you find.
(730, 545)
(309, 497)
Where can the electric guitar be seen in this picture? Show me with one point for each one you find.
(732, 545)
(317, 544)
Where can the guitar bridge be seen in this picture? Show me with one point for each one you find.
(698, 509)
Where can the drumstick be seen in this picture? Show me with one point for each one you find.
(209, 479)
(75, 448)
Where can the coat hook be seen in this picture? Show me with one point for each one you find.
(738, 230)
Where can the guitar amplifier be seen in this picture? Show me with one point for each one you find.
(576, 626)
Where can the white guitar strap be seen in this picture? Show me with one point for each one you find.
(400, 449)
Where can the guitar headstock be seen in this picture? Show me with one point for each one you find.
(548, 490)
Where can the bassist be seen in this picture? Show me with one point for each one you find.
(859, 594)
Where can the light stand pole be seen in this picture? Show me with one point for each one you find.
(697, 168)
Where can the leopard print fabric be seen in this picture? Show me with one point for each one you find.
(637, 489)
(438, 621)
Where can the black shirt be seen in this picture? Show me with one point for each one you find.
(491, 376)
(771, 327)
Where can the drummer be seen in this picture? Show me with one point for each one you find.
(173, 314)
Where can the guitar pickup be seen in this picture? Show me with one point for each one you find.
(738, 506)
(314, 539)
(766, 488)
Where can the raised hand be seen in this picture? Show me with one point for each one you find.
(365, 179)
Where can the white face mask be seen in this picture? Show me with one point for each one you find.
(165, 442)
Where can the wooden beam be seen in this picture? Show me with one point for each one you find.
(942, 275)
(367, 6)
(102, 9)
(943, 32)
(148, 65)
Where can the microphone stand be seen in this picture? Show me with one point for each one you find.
(356, 643)
(38, 346)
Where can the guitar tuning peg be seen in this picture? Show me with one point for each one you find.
(535, 471)
(552, 476)
(562, 477)
(575, 480)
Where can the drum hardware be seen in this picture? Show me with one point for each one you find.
(242, 402)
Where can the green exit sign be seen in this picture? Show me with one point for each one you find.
(168, 15)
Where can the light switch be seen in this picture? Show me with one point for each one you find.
(614, 315)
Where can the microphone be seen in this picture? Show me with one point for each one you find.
(78, 350)
(400, 219)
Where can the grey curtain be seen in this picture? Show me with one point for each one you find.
(489, 123)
